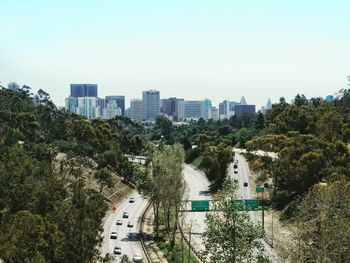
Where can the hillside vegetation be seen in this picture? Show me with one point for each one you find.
(51, 210)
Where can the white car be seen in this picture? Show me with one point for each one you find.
(132, 200)
(113, 235)
(137, 257)
(119, 222)
(235, 171)
(125, 215)
(130, 223)
(117, 250)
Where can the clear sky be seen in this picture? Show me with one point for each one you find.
(195, 49)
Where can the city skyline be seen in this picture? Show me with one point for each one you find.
(220, 50)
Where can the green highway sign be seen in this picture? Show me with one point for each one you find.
(247, 204)
(202, 205)
(240, 204)
(260, 189)
(252, 204)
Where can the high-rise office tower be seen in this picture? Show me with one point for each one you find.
(88, 106)
(136, 110)
(173, 107)
(244, 109)
(194, 109)
(225, 110)
(213, 113)
(243, 101)
(13, 86)
(120, 101)
(268, 104)
(151, 104)
(83, 90)
(83, 100)
(111, 110)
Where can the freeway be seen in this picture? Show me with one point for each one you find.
(242, 177)
(128, 238)
(197, 189)
(273, 155)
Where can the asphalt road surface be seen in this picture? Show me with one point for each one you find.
(246, 193)
(128, 238)
(197, 189)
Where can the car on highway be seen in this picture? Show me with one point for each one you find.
(235, 166)
(125, 215)
(245, 184)
(119, 222)
(131, 200)
(113, 235)
(130, 223)
(117, 250)
(137, 257)
(235, 171)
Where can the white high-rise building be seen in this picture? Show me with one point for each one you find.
(88, 106)
(268, 104)
(136, 110)
(112, 109)
(151, 104)
(213, 113)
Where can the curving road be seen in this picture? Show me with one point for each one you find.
(128, 238)
(197, 189)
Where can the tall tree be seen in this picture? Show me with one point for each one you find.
(230, 236)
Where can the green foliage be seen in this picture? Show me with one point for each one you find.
(198, 161)
(230, 236)
(311, 138)
(44, 217)
(216, 161)
(178, 253)
(192, 154)
(104, 177)
(322, 227)
(166, 170)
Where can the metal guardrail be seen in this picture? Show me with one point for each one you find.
(141, 233)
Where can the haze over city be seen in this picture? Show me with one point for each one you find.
(188, 49)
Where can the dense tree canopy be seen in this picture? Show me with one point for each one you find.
(44, 217)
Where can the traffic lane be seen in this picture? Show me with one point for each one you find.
(244, 192)
(198, 189)
(128, 238)
(243, 177)
(244, 174)
(197, 184)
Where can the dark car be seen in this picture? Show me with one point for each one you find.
(245, 184)
(125, 215)
(113, 235)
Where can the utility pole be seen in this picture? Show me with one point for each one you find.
(272, 230)
(189, 242)
(263, 214)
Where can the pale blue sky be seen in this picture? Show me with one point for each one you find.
(218, 49)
